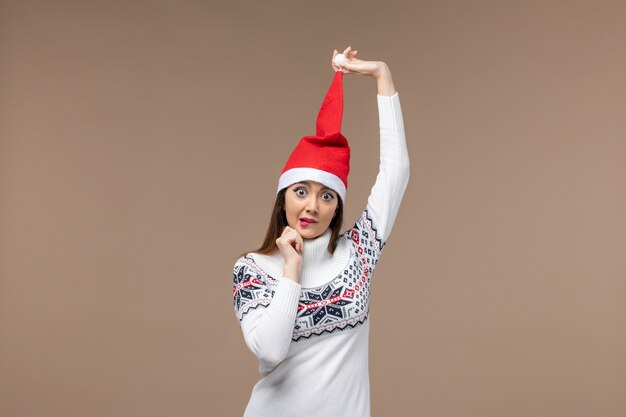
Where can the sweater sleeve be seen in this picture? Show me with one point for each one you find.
(386, 195)
(266, 310)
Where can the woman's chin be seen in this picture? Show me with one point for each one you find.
(308, 233)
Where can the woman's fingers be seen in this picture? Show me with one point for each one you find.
(343, 67)
(294, 239)
(297, 241)
(300, 241)
(291, 237)
(349, 54)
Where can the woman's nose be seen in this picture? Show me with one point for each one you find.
(312, 205)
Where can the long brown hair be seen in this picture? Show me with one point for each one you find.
(278, 222)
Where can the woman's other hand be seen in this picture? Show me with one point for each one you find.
(291, 244)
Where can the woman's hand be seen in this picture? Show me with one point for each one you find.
(353, 65)
(290, 244)
(377, 69)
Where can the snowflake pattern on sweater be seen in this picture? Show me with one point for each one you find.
(341, 304)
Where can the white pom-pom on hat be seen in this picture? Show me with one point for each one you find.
(340, 59)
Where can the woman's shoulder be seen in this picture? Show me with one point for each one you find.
(244, 259)
(364, 231)
(244, 268)
(252, 260)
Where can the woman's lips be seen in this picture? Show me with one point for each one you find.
(305, 223)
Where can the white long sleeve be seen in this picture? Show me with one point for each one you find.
(268, 323)
(268, 331)
(386, 195)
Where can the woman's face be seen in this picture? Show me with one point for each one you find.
(313, 201)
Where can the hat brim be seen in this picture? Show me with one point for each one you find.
(330, 180)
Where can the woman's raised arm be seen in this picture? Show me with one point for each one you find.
(393, 174)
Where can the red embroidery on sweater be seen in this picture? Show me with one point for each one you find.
(331, 300)
(355, 236)
(246, 284)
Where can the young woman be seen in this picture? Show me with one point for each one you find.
(302, 299)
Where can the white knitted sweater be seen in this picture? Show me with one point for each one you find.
(311, 338)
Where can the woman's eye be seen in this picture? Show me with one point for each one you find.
(300, 192)
(330, 196)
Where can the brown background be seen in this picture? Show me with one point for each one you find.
(140, 147)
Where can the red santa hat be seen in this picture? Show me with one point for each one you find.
(325, 157)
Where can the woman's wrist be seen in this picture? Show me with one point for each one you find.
(382, 70)
(383, 80)
(292, 272)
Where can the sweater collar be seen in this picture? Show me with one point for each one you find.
(315, 251)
